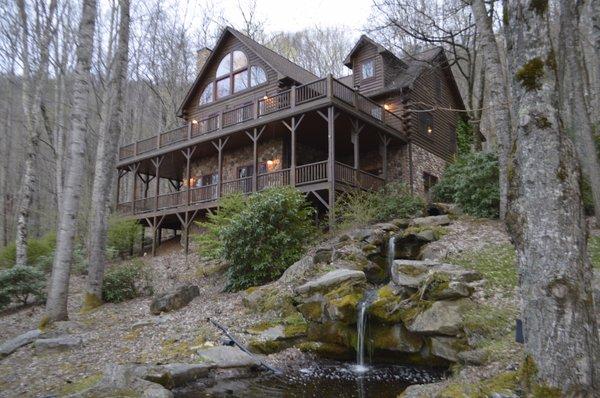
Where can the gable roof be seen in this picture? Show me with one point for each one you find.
(364, 39)
(283, 66)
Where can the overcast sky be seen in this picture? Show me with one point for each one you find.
(294, 15)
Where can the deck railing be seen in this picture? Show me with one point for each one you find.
(311, 173)
(288, 99)
(277, 178)
(306, 174)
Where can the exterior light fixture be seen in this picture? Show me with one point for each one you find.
(194, 121)
(386, 107)
(269, 163)
(265, 97)
(429, 129)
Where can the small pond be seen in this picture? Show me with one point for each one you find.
(339, 380)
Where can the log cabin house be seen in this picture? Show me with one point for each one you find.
(252, 119)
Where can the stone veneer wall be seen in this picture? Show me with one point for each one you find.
(425, 162)
(232, 159)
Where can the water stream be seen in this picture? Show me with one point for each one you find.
(391, 254)
(361, 328)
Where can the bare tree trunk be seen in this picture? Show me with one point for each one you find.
(105, 162)
(497, 101)
(56, 306)
(579, 109)
(545, 216)
(33, 84)
(594, 9)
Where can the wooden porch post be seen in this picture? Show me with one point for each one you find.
(219, 147)
(292, 128)
(355, 139)
(120, 175)
(254, 137)
(156, 162)
(133, 168)
(385, 140)
(331, 161)
(188, 153)
(330, 119)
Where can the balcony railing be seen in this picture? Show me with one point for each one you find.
(312, 173)
(288, 99)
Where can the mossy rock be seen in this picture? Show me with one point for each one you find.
(332, 332)
(312, 310)
(394, 338)
(343, 309)
(269, 298)
(326, 350)
(390, 308)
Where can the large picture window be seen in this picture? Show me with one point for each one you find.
(232, 76)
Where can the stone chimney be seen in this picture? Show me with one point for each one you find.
(201, 57)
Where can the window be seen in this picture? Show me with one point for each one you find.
(368, 69)
(240, 81)
(224, 66)
(232, 76)
(429, 180)
(207, 94)
(425, 123)
(223, 88)
(257, 75)
(239, 60)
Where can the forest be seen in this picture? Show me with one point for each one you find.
(518, 205)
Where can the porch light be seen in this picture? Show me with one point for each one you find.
(270, 163)
(265, 97)
(429, 129)
(194, 121)
(386, 107)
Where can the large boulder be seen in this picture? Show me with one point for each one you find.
(430, 221)
(58, 343)
(413, 273)
(9, 346)
(441, 318)
(174, 300)
(227, 357)
(331, 280)
(124, 381)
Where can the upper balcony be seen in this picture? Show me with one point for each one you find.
(284, 104)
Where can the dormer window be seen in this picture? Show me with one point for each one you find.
(232, 76)
(367, 69)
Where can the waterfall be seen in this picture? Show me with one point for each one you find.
(391, 254)
(361, 328)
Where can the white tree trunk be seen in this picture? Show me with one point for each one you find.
(497, 101)
(56, 306)
(580, 123)
(105, 162)
(545, 216)
(33, 84)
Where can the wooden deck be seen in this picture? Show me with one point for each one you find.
(309, 177)
(318, 94)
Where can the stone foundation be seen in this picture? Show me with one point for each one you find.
(425, 162)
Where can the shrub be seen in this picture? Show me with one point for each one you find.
(361, 207)
(472, 183)
(36, 249)
(209, 241)
(464, 137)
(124, 282)
(121, 235)
(266, 236)
(19, 284)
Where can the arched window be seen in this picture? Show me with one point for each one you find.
(207, 94)
(257, 75)
(233, 75)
